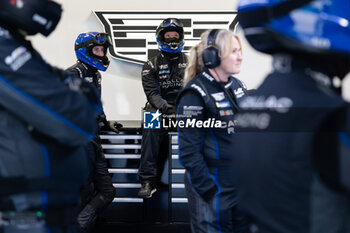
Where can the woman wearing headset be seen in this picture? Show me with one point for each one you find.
(207, 106)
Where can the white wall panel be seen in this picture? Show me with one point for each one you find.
(122, 91)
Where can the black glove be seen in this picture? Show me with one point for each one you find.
(115, 126)
(105, 125)
(87, 218)
(171, 110)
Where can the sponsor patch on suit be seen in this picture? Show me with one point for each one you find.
(224, 104)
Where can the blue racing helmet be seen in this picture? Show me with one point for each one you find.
(171, 45)
(301, 26)
(84, 45)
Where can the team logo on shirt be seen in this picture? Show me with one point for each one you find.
(182, 65)
(163, 66)
(164, 72)
(239, 92)
(224, 104)
(18, 58)
(132, 32)
(226, 112)
(218, 96)
(89, 79)
(192, 110)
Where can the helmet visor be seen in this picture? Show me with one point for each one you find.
(102, 38)
(171, 21)
(99, 39)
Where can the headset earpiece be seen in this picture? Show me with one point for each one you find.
(210, 55)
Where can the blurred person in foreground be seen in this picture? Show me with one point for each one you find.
(293, 144)
(47, 119)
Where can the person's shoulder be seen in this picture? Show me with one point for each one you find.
(194, 85)
(154, 58)
(192, 90)
(240, 82)
(184, 56)
(72, 71)
(72, 67)
(194, 80)
(75, 70)
(150, 63)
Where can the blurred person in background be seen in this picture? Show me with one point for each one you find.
(162, 78)
(91, 51)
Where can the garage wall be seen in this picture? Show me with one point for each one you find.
(122, 92)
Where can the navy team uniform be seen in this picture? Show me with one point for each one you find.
(293, 163)
(206, 153)
(100, 191)
(45, 128)
(162, 79)
(293, 145)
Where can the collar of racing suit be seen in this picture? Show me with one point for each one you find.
(171, 56)
(87, 67)
(210, 78)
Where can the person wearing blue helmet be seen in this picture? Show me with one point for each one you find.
(47, 120)
(293, 144)
(91, 51)
(162, 78)
(170, 36)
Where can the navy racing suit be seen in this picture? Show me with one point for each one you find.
(45, 127)
(206, 153)
(162, 79)
(293, 152)
(100, 191)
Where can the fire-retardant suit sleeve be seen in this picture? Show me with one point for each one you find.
(191, 106)
(33, 92)
(151, 86)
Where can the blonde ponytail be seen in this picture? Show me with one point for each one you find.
(192, 70)
(195, 64)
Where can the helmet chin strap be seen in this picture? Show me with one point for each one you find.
(173, 41)
(174, 48)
